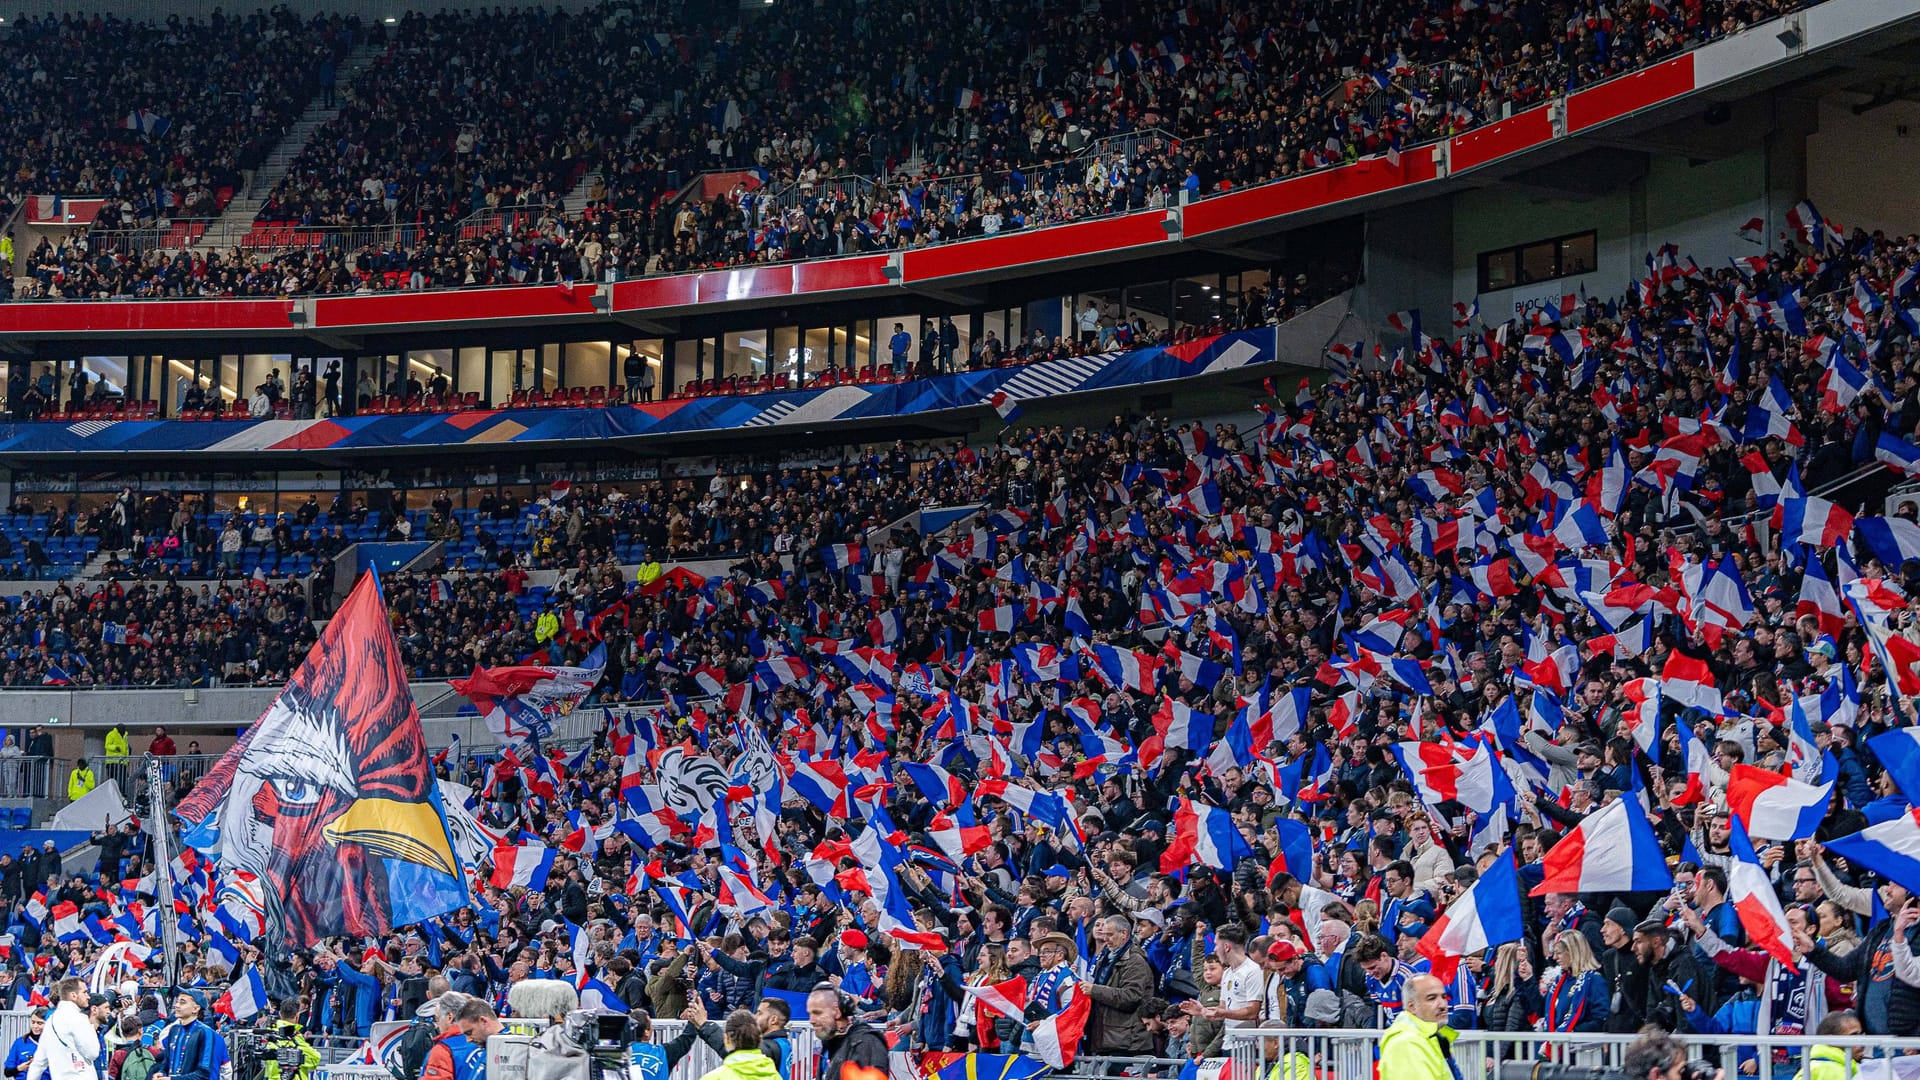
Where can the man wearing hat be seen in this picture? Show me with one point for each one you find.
(188, 1051)
(1055, 987)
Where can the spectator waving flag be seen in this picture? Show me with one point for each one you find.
(521, 703)
(1006, 405)
(1614, 850)
(328, 797)
(1486, 915)
(1776, 807)
(1203, 833)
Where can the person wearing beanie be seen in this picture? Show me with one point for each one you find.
(1626, 979)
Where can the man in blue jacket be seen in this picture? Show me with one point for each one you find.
(188, 1053)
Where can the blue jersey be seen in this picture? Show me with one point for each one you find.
(1390, 995)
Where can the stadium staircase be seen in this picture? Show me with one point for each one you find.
(237, 219)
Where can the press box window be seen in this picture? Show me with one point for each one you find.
(1542, 260)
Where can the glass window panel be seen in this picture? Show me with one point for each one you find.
(743, 354)
(1499, 270)
(500, 365)
(1577, 255)
(549, 367)
(470, 374)
(819, 351)
(586, 364)
(1537, 262)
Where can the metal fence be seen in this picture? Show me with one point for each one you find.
(29, 777)
(1481, 1054)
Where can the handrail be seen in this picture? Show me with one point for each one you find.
(1350, 1051)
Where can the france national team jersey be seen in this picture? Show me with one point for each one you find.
(1388, 995)
(1463, 996)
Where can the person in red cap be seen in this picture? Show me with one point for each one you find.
(856, 976)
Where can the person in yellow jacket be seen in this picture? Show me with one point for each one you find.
(546, 627)
(287, 1032)
(117, 748)
(745, 1060)
(80, 781)
(1832, 1062)
(648, 573)
(1417, 1047)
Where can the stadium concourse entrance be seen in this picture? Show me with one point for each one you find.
(696, 354)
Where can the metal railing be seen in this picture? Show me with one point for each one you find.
(1348, 1052)
(29, 777)
(131, 772)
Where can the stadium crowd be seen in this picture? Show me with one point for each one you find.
(1126, 106)
(1126, 633)
(161, 119)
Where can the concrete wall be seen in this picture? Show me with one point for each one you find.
(1407, 265)
(1861, 169)
(1500, 217)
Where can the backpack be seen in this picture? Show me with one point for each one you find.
(415, 1045)
(138, 1064)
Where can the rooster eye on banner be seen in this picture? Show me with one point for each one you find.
(329, 799)
(690, 783)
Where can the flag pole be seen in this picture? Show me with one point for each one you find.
(163, 871)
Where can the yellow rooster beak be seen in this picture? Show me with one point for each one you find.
(408, 831)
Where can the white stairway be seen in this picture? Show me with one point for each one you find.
(238, 216)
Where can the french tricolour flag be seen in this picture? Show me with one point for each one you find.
(1440, 773)
(821, 783)
(1811, 520)
(1009, 998)
(1898, 453)
(1057, 1040)
(1689, 681)
(1898, 751)
(998, 620)
(1892, 540)
(958, 841)
(778, 671)
(1181, 727)
(1581, 527)
(1697, 758)
(1754, 900)
(1774, 807)
(1484, 916)
(1890, 849)
(1005, 404)
(842, 556)
(1205, 833)
(1125, 669)
(525, 865)
(246, 997)
(1614, 850)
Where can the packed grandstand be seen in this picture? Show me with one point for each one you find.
(961, 128)
(1483, 687)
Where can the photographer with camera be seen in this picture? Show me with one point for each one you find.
(1657, 1056)
(292, 1056)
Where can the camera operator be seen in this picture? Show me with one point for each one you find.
(1655, 1055)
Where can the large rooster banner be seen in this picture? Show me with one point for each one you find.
(329, 798)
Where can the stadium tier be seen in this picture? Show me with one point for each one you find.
(973, 542)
